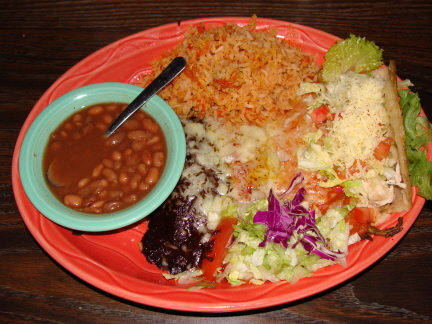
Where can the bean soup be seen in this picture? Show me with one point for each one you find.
(92, 173)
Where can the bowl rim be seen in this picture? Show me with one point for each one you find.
(55, 210)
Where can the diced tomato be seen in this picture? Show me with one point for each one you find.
(356, 227)
(220, 240)
(383, 148)
(365, 214)
(320, 114)
(332, 116)
(360, 219)
(334, 196)
(353, 169)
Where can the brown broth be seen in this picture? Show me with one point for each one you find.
(94, 174)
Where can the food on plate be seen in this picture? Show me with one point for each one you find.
(237, 74)
(418, 135)
(403, 196)
(94, 174)
(287, 163)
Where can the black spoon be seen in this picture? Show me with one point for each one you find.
(171, 71)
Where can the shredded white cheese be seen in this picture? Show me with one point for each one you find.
(361, 121)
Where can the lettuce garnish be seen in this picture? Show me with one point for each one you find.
(255, 257)
(352, 54)
(290, 219)
(418, 135)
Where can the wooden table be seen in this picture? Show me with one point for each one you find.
(40, 40)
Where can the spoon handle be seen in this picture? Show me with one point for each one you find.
(171, 71)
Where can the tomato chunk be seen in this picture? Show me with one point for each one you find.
(360, 219)
(356, 167)
(220, 240)
(383, 148)
(356, 227)
(365, 215)
(320, 114)
(333, 196)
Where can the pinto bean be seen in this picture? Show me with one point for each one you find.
(142, 168)
(116, 155)
(56, 146)
(137, 135)
(138, 146)
(112, 206)
(97, 170)
(117, 165)
(77, 118)
(130, 199)
(135, 181)
(101, 126)
(115, 194)
(111, 107)
(150, 125)
(147, 158)
(107, 119)
(74, 201)
(109, 174)
(108, 163)
(158, 159)
(123, 177)
(143, 186)
(115, 139)
(97, 186)
(98, 204)
(152, 176)
(153, 140)
(131, 124)
(95, 110)
(83, 182)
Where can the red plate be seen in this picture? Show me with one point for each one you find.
(112, 261)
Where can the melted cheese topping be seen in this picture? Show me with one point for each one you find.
(225, 166)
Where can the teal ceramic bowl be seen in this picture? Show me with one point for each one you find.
(33, 148)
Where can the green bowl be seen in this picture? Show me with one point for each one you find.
(36, 138)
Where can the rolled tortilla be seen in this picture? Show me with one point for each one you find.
(403, 197)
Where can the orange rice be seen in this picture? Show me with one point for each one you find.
(236, 73)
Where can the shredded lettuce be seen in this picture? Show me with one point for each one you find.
(314, 158)
(249, 227)
(351, 188)
(418, 135)
(282, 242)
(334, 228)
(352, 54)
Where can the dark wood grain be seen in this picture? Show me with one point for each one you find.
(41, 40)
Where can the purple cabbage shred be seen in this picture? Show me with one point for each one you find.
(290, 218)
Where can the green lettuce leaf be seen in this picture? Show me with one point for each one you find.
(418, 135)
(352, 54)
